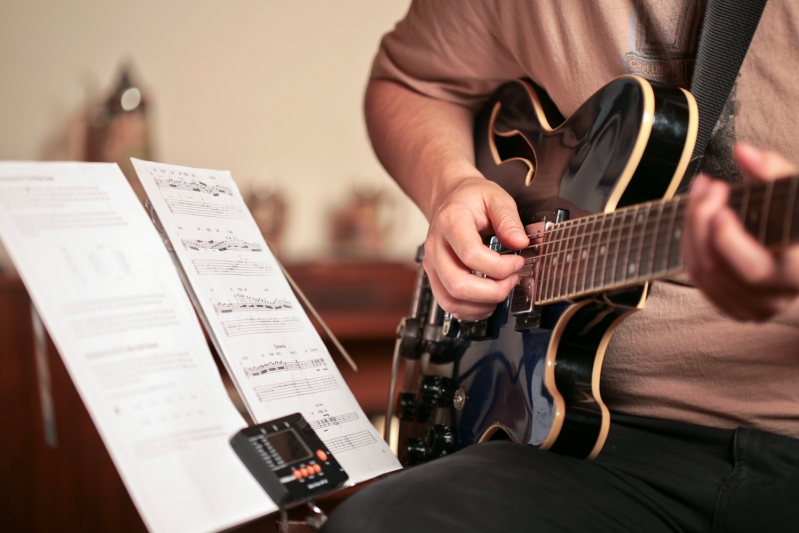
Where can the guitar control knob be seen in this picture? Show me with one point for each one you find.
(439, 440)
(415, 451)
(407, 406)
(436, 391)
(409, 332)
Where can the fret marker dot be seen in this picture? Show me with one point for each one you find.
(585, 254)
(568, 257)
(631, 268)
(555, 260)
(640, 217)
(677, 233)
(602, 250)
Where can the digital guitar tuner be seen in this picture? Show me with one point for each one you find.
(289, 461)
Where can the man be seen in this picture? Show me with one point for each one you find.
(711, 352)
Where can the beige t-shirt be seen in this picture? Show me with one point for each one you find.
(679, 358)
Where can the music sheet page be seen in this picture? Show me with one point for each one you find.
(109, 295)
(279, 362)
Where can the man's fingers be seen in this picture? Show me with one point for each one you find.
(504, 217)
(745, 257)
(762, 164)
(459, 282)
(470, 250)
(460, 309)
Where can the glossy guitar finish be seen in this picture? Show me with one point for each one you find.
(629, 143)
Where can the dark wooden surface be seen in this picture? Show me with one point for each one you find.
(75, 487)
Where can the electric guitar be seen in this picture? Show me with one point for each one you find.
(597, 194)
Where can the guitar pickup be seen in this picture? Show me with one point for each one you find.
(523, 299)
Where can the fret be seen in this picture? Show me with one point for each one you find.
(585, 248)
(546, 264)
(662, 238)
(604, 250)
(754, 209)
(764, 213)
(623, 252)
(577, 255)
(563, 284)
(641, 220)
(557, 236)
(563, 250)
(675, 238)
(596, 239)
(648, 260)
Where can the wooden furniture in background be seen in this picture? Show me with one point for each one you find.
(75, 486)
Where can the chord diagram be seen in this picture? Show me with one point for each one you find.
(203, 209)
(224, 267)
(243, 302)
(255, 326)
(282, 366)
(333, 420)
(350, 442)
(298, 387)
(193, 186)
(229, 244)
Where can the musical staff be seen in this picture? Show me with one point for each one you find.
(298, 387)
(243, 303)
(193, 186)
(203, 209)
(229, 244)
(350, 442)
(333, 420)
(282, 366)
(255, 326)
(226, 267)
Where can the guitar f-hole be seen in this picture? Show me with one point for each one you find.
(510, 146)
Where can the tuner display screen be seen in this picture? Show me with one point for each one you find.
(289, 446)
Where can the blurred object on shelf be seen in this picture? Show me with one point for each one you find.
(268, 208)
(360, 228)
(117, 128)
(359, 300)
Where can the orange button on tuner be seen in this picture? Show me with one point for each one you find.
(317, 468)
(321, 455)
(297, 474)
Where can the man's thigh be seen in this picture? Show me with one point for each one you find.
(501, 486)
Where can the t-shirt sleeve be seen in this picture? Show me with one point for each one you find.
(447, 49)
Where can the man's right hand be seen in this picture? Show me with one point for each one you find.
(454, 248)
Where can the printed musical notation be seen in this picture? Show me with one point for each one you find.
(193, 186)
(255, 326)
(350, 442)
(333, 420)
(298, 387)
(226, 267)
(282, 366)
(243, 303)
(203, 209)
(229, 244)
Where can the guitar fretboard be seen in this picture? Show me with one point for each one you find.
(641, 243)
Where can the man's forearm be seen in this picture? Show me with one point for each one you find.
(425, 144)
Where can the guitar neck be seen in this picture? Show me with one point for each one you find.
(641, 243)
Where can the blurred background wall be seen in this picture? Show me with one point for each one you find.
(264, 88)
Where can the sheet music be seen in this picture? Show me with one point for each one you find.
(275, 355)
(108, 293)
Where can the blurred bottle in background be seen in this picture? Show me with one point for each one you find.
(117, 128)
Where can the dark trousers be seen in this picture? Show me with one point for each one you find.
(651, 476)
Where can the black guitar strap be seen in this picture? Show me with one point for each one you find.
(727, 31)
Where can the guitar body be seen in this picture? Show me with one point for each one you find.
(629, 143)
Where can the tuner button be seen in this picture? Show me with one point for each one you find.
(407, 406)
(416, 451)
(439, 440)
